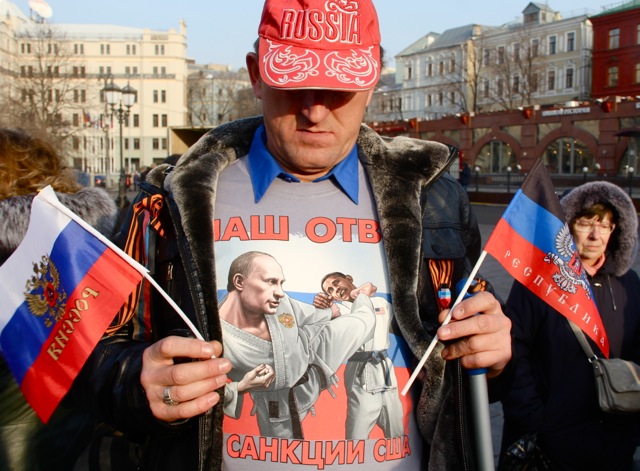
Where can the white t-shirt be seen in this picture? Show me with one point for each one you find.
(311, 229)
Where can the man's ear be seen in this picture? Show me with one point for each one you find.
(254, 74)
(238, 281)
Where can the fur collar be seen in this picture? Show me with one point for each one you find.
(94, 205)
(398, 170)
(623, 244)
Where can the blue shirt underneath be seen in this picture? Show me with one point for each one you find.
(264, 169)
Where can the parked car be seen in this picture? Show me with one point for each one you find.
(100, 181)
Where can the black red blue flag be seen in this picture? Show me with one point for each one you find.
(532, 241)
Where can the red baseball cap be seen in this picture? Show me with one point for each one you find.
(323, 44)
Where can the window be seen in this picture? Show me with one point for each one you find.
(516, 52)
(105, 49)
(638, 34)
(535, 45)
(441, 98)
(163, 96)
(500, 87)
(163, 71)
(614, 38)
(76, 97)
(25, 48)
(164, 120)
(127, 71)
(486, 89)
(452, 97)
(571, 42)
(612, 80)
(569, 79)
(429, 69)
(155, 143)
(440, 68)
(452, 65)
(551, 80)
(155, 96)
(126, 143)
(156, 120)
(487, 57)
(552, 45)
(155, 71)
(516, 84)
(164, 143)
(136, 143)
(75, 119)
(23, 71)
(83, 96)
(76, 143)
(501, 55)
(408, 72)
(131, 49)
(136, 120)
(159, 49)
(637, 73)
(78, 48)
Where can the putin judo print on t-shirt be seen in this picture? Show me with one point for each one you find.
(307, 324)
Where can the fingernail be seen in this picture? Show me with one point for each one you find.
(224, 365)
(444, 332)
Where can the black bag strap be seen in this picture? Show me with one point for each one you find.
(583, 342)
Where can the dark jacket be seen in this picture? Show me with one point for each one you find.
(25, 443)
(554, 390)
(399, 171)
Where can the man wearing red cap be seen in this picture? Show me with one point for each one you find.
(310, 185)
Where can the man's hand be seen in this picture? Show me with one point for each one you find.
(368, 288)
(481, 341)
(322, 301)
(259, 377)
(191, 385)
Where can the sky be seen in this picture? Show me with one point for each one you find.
(221, 32)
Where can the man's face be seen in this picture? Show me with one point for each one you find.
(339, 288)
(262, 287)
(309, 131)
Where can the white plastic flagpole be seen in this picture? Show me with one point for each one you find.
(478, 386)
(48, 195)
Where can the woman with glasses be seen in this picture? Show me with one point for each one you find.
(553, 403)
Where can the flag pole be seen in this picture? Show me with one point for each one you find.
(48, 195)
(478, 386)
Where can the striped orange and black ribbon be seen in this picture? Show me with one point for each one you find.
(146, 214)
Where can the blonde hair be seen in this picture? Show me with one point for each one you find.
(28, 163)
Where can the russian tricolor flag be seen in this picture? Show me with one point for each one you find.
(60, 290)
(533, 243)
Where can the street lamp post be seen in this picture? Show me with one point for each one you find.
(585, 170)
(477, 169)
(120, 100)
(509, 179)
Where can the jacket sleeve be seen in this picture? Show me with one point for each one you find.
(109, 388)
(523, 404)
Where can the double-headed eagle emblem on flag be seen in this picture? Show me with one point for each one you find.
(44, 295)
(571, 272)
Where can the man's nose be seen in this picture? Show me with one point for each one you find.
(315, 104)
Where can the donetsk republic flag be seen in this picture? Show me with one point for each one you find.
(533, 243)
(60, 290)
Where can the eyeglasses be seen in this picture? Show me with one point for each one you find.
(582, 225)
